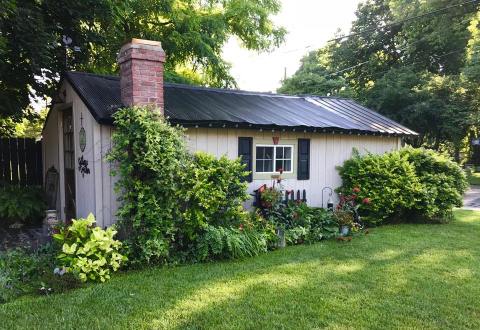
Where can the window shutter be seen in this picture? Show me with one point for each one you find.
(303, 172)
(245, 146)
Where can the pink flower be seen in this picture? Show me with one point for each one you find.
(241, 226)
(356, 190)
(367, 200)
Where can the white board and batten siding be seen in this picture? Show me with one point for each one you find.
(95, 191)
(327, 151)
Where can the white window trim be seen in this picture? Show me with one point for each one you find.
(274, 159)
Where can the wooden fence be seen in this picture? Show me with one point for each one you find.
(20, 162)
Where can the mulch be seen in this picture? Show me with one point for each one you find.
(25, 237)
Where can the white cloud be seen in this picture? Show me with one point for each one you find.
(310, 23)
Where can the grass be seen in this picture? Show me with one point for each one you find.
(398, 276)
(474, 178)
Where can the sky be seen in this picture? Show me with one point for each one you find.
(309, 23)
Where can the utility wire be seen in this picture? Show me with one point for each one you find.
(430, 13)
(362, 63)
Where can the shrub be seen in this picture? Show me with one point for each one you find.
(406, 185)
(89, 252)
(230, 243)
(389, 181)
(171, 200)
(21, 204)
(213, 194)
(443, 180)
(151, 157)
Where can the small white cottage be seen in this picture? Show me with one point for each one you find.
(306, 136)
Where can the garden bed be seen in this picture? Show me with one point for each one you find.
(398, 276)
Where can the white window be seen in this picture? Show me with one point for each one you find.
(272, 158)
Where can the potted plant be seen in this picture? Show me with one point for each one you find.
(346, 212)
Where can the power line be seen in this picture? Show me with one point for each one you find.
(433, 12)
(362, 63)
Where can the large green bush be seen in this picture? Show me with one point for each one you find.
(213, 194)
(21, 204)
(389, 180)
(172, 201)
(87, 251)
(443, 180)
(406, 185)
(150, 158)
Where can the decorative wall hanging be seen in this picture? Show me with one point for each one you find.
(82, 136)
(275, 139)
(83, 166)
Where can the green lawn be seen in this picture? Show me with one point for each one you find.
(402, 276)
(474, 178)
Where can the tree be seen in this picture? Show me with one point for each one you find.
(313, 78)
(192, 33)
(407, 60)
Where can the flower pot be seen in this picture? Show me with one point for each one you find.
(281, 238)
(344, 230)
(50, 221)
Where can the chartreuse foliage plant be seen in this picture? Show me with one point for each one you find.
(88, 251)
(406, 185)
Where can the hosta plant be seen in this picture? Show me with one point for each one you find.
(88, 252)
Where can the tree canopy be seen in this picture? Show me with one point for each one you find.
(417, 62)
(192, 33)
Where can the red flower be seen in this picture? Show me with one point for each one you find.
(356, 190)
(354, 196)
(367, 200)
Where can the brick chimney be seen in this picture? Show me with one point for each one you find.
(141, 73)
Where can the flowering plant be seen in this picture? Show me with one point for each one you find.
(347, 209)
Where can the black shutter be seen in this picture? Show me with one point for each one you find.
(245, 145)
(303, 172)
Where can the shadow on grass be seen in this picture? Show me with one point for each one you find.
(401, 275)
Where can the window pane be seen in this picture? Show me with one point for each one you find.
(259, 165)
(287, 165)
(288, 152)
(278, 165)
(268, 166)
(260, 152)
(279, 152)
(268, 152)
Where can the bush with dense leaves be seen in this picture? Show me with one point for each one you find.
(150, 158)
(443, 180)
(389, 180)
(406, 185)
(213, 194)
(87, 251)
(171, 201)
(21, 204)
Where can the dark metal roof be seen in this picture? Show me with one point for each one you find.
(211, 107)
